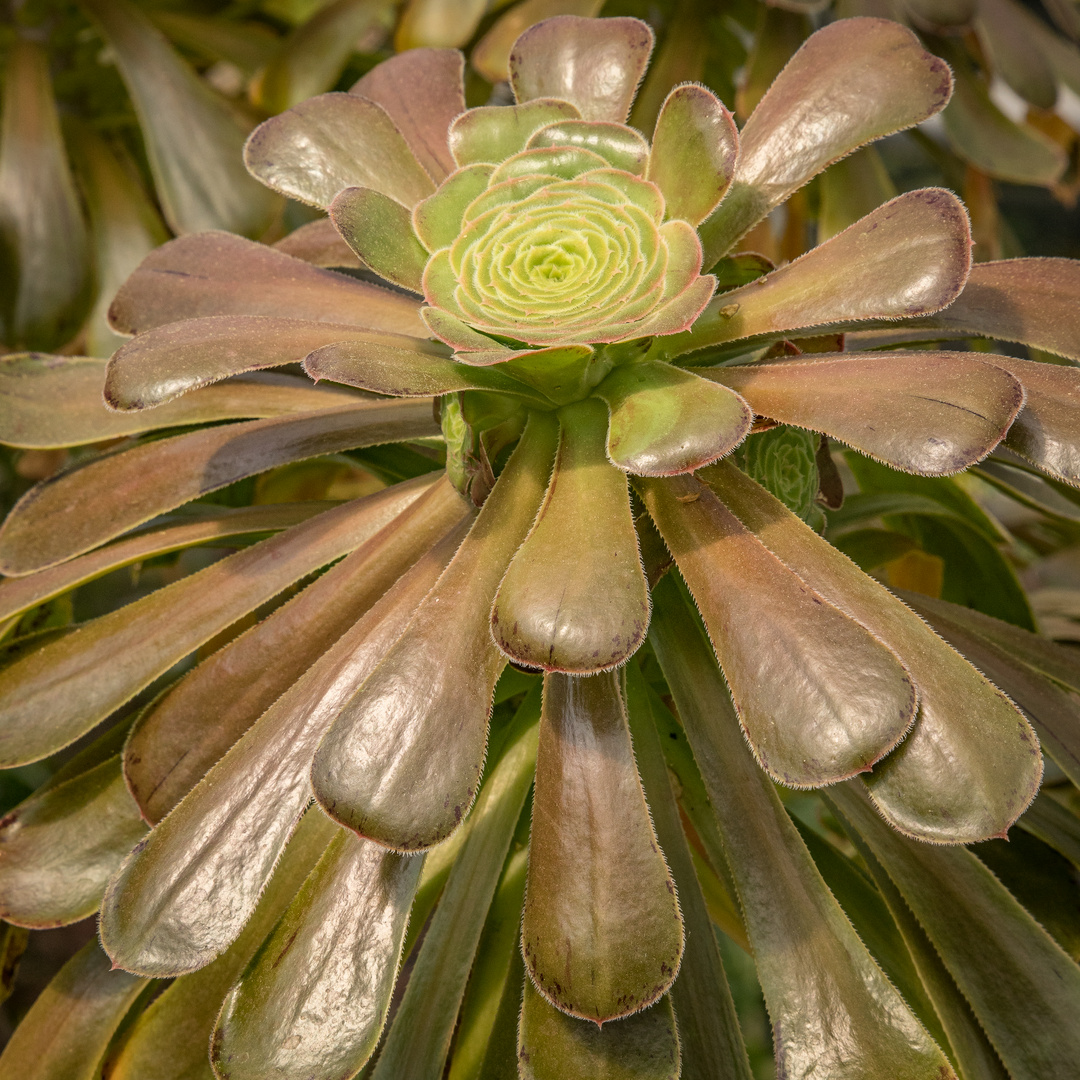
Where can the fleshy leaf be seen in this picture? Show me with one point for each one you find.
(64, 517)
(46, 261)
(666, 421)
(318, 243)
(219, 274)
(870, 77)
(379, 229)
(389, 767)
(492, 133)
(163, 913)
(909, 257)
(555, 1046)
(422, 91)
(833, 1011)
(313, 1002)
(693, 154)
(438, 218)
(437, 23)
(987, 941)
(971, 764)
(331, 142)
(575, 597)
(621, 146)
(596, 64)
(55, 694)
(1005, 31)
(208, 189)
(602, 935)
(812, 713)
(926, 413)
(171, 360)
(59, 847)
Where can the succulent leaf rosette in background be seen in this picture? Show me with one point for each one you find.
(564, 292)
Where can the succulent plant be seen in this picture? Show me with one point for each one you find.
(637, 420)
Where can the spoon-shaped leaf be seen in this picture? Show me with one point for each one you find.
(491, 134)
(66, 516)
(168, 1039)
(554, 1046)
(55, 694)
(971, 764)
(438, 23)
(833, 1011)
(594, 64)
(331, 142)
(47, 257)
(666, 421)
(422, 91)
(59, 847)
(621, 146)
(693, 153)
(926, 413)
(203, 189)
(313, 1002)
(601, 933)
(166, 910)
(1016, 977)
(68, 1029)
(218, 274)
(379, 229)
(870, 77)
(819, 697)
(909, 257)
(57, 401)
(575, 596)
(401, 764)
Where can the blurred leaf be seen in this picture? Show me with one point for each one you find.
(44, 247)
(1055, 825)
(13, 941)
(852, 188)
(1005, 33)
(249, 45)
(777, 37)
(193, 138)
(438, 24)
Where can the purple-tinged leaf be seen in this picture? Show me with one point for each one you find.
(319, 244)
(331, 142)
(596, 64)
(379, 229)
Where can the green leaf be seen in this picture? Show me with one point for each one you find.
(909, 257)
(1054, 825)
(203, 189)
(45, 249)
(1010, 38)
(66, 516)
(783, 460)
(871, 548)
(492, 133)
(312, 1003)
(666, 421)
(833, 1012)
(218, 274)
(871, 77)
(442, 24)
(438, 219)
(164, 911)
(818, 696)
(319, 244)
(1022, 987)
(379, 229)
(693, 154)
(926, 413)
(574, 597)
(389, 767)
(852, 188)
(419, 1037)
(971, 763)
(249, 44)
(68, 1028)
(554, 1046)
(331, 142)
(595, 64)
(621, 146)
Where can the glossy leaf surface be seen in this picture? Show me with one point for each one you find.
(216, 273)
(665, 421)
(59, 848)
(596, 65)
(64, 517)
(491, 133)
(833, 1012)
(402, 762)
(621, 146)
(313, 1002)
(164, 911)
(812, 712)
(602, 935)
(331, 142)
(575, 598)
(971, 764)
(868, 77)
(926, 413)
(554, 1046)
(379, 229)
(55, 694)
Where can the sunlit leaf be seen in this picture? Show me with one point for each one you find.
(379, 229)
